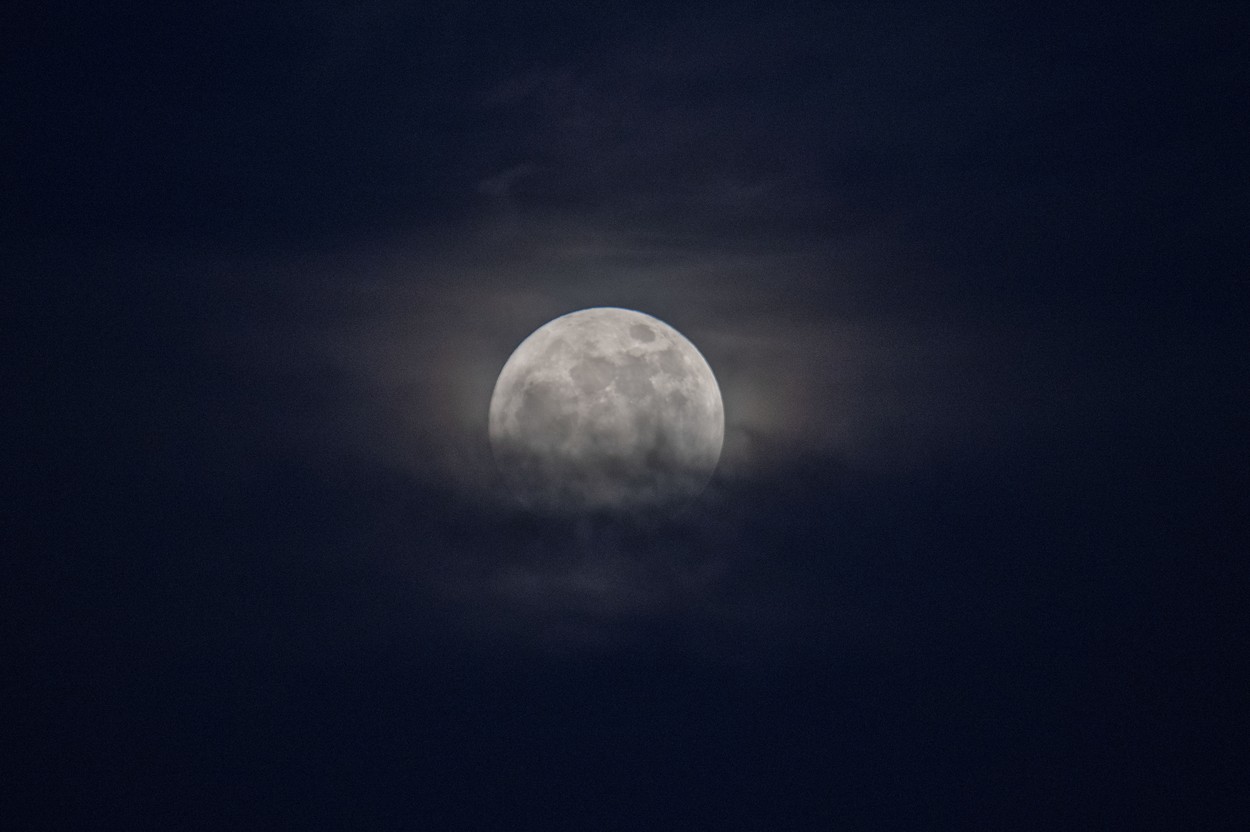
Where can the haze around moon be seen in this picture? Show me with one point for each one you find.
(606, 409)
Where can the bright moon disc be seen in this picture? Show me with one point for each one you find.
(606, 409)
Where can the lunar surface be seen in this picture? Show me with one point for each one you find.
(606, 409)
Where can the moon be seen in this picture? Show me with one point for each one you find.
(606, 409)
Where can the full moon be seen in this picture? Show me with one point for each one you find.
(606, 409)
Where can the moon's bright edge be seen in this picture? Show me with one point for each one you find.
(606, 409)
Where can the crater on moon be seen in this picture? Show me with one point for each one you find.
(642, 332)
(606, 409)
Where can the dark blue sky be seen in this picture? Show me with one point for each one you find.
(969, 279)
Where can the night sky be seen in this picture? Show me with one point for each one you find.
(969, 278)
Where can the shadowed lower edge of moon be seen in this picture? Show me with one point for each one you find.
(553, 483)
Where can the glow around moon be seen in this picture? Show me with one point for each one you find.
(606, 409)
